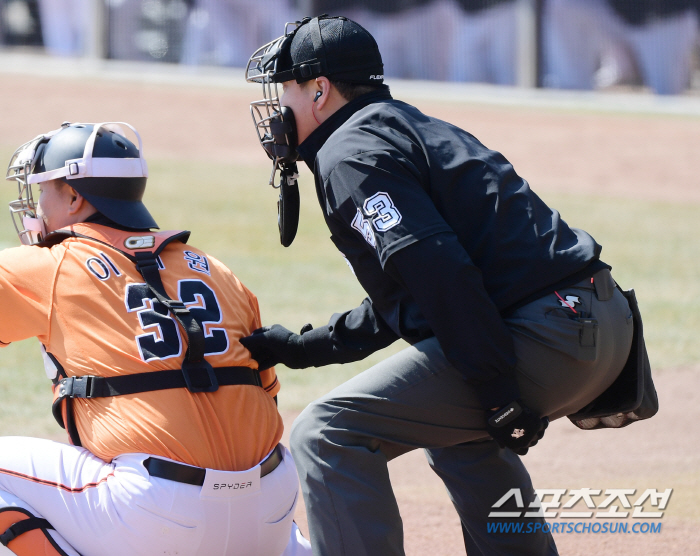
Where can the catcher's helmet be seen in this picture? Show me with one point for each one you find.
(97, 160)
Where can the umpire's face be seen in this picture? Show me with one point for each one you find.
(300, 98)
(312, 102)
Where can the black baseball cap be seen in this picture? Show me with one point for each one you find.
(334, 47)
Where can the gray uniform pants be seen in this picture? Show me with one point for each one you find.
(416, 399)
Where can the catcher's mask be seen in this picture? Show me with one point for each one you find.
(97, 160)
(335, 47)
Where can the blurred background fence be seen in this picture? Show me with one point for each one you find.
(649, 45)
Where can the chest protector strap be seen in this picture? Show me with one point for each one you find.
(147, 265)
(196, 374)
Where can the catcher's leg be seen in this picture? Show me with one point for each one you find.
(27, 534)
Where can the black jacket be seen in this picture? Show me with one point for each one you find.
(443, 235)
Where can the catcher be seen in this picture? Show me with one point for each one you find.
(175, 433)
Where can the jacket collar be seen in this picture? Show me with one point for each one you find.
(313, 143)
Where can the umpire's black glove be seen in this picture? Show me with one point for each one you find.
(517, 427)
(275, 344)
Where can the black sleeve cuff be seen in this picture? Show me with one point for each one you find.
(318, 345)
(497, 392)
(349, 336)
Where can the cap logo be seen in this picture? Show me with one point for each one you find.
(376, 77)
(139, 242)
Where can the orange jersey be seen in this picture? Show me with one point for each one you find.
(90, 308)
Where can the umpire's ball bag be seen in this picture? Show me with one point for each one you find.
(632, 397)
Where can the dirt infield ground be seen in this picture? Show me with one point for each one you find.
(618, 156)
(656, 454)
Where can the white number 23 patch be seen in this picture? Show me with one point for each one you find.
(381, 211)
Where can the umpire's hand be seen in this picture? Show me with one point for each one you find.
(517, 427)
(275, 344)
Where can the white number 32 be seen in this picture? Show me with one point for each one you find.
(387, 214)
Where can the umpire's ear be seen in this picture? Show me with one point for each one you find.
(329, 100)
(322, 92)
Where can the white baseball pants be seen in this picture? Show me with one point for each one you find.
(101, 509)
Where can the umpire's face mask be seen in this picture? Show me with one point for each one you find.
(277, 134)
(274, 123)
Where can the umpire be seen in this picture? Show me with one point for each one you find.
(511, 316)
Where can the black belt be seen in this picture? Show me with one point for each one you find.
(181, 473)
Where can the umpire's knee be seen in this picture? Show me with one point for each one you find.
(307, 431)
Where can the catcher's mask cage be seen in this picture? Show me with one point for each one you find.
(29, 227)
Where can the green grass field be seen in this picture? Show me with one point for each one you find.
(231, 211)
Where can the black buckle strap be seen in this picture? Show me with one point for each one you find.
(147, 265)
(197, 377)
(190, 475)
(76, 387)
(22, 527)
(308, 70)
(190, 371)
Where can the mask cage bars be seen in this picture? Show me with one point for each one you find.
(263, 111)
(20, 168)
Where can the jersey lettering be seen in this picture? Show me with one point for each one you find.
(381, 205)
(362, 225)
(111, 264)
(98, 268)
(162, 339)
(197, 262)
(206, 312)
(163, 342)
